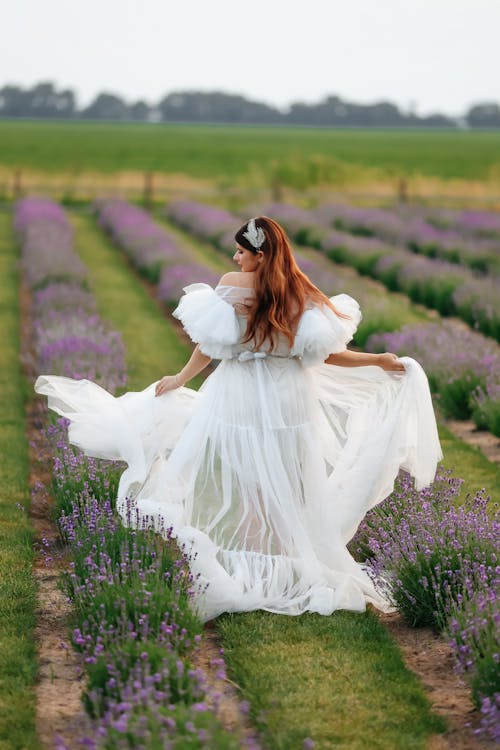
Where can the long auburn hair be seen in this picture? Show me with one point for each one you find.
(281, 288)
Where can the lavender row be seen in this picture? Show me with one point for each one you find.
(423, 232)
(437, 563)
(70, 338)
(469, 223)
(437, 284)
(131, 592)
(463, 368)
(151, 249)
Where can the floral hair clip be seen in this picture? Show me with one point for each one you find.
(255, 235)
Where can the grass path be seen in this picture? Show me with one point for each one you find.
(18, 660)
(340, 680)
(302, 671)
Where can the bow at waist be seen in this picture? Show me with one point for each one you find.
(248, 356)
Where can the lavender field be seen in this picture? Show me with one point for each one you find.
(427, 280)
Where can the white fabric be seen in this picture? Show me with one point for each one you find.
(321, 332)
(208, 320)
(266, 472)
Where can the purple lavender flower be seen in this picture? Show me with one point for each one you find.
(473, 627)
(63, 297)
(490, 717)
(486, 403)
(207, 222)
(426, 553)
(477, 302)
(80, 347)
(46, 237)
(174, 278)
(470, 223)
(457, 360)
(148, 245)
(33, 210)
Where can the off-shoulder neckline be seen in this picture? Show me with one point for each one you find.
(236, 286)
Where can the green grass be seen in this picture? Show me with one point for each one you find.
(227, 152)
(152, 344)
(339, 680)
(18, 660)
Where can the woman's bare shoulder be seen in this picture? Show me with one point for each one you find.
(237, 278)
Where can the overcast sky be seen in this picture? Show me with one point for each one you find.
(432, 54)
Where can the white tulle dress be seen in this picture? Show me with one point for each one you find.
(266, 472)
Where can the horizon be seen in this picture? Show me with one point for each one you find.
(284, 109)
(423, 59)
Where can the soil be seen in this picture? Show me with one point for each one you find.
(60, 681)
(232, 717)
(428, 655)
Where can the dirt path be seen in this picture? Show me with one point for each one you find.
(232, 716)
(59, 687)
(427, 654)
(467, 431)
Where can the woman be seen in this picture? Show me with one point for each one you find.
(266, 472)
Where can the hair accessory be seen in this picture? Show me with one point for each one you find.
(255, 235)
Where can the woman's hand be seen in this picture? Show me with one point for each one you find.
(197, 362)
(167, 383)
(390, 362)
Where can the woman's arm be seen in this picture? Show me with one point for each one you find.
(196, 363)
(348, 358)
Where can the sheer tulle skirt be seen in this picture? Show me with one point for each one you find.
(265, 473)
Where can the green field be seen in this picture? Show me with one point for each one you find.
(208, 151)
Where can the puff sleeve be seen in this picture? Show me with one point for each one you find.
(209, 321)
(321, 332)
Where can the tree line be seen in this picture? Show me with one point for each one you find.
(43, 100)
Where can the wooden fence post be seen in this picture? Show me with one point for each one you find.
(276, 189)
(17, 188)
(148, 194)
(403, 190)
